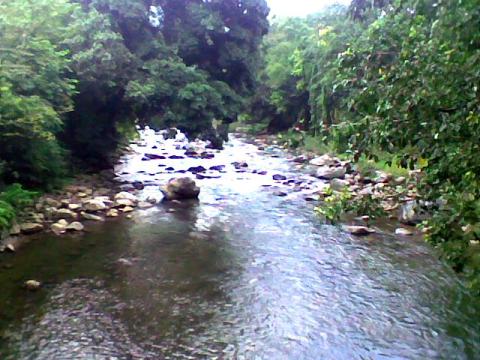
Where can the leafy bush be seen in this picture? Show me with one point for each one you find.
(12, 200)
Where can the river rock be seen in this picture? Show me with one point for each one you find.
(75, 226)
(144, 205)
(127, 209)
(339, 184)
(15, 230)
(52, 202)
(138, 185)
(65, 214)
(126, 195)
(411, 213)
(196, 169)
(278, 177)
(324, 160)
(74, 207)
(330, 173)
(88, 216)
(403, 232)
(153, 157)
(32, 285)
(358, 230)
(58, 228)
(180, 188)
(94, 205)
(31, 228)
(119, 203)
(112, 213)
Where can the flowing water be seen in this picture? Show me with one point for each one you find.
(240, 274)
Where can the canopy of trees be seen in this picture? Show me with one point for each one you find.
(76, 75)
(398, 77)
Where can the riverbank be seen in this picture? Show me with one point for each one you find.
(359, 195)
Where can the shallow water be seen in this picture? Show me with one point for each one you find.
(241, 274)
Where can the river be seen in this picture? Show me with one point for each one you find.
(240, 274)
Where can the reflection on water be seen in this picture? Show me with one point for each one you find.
(241, 274)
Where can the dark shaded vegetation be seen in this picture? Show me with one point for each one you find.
(76, 76)
(399, 78)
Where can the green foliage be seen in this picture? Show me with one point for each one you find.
(395, 78)
(341, 203)
(12, 200)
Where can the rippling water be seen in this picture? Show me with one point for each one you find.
(242, 274)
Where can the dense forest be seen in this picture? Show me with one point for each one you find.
(396, 80)
(77, 76)
(391, 80)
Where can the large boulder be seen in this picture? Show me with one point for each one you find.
(329, 173)
(324, 160)
(180, 189)
(94, 205)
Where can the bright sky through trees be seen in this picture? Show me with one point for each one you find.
(299, 7)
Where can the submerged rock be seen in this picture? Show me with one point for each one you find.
(126, 195)
(180, 188)
(403, 232)
(358, 230)
(88, 216)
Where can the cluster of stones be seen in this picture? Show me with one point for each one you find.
(398, 196)
(67, 212)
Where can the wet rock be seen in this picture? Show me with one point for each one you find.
(52, 202)
(217, 167)
(32, 285)
(153, 157)
(330, 173)
(112, 213)
(278, 177)
(239, 164)
(58, 228)
(119, 203)
(280, 193)
(411, 213)
(262, 172)
(65, 214)
(144, 205)
(300, 159)
(324, 160)
(124, 262)
(191, 153)
(196, 169)
(74, 207)
(126, 195)
(94, 205)
(338, 184)
(15, 230)
(180, 188)
(138, 185)
(75, 226)
(358, 230)
(88, 216)
(403, 232)
(169, 168)
(31, 228)
(206, 155)
(176, 157)
(127, 209)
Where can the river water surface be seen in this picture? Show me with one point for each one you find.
(241, 274)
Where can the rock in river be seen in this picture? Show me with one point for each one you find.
(31, 228)
(75, 226)
(180, 188)
(33, 285)
(358, 230)
(329, 173)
